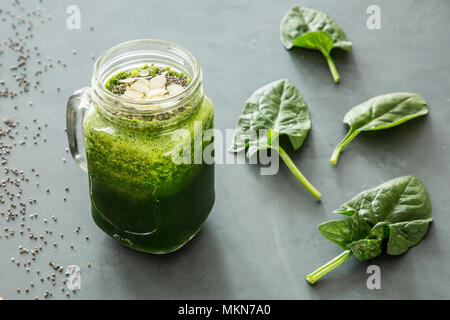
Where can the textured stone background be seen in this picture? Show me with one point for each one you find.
(261, 238)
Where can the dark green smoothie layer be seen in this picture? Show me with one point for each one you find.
(139, 195)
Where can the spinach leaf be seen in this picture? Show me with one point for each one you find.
(398, 210)
(312, 29)
(382, 112)
(273, 110)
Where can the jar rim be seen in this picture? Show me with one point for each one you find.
(173, 101)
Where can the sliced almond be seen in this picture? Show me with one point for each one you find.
(156, 93)
(132, 94)
(144, 73)
(174, 89)
(141, 85)
(143, 82)
(139, 88)
(157, 82)
(127, 80)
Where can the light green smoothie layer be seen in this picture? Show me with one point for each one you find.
(134, 158)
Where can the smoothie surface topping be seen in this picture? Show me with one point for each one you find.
(148, 83)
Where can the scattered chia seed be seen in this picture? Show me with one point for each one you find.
(14, 181)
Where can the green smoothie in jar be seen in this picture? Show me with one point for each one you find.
(148, 190)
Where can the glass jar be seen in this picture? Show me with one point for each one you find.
(148, 187)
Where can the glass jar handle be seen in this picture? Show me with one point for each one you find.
(77, 105)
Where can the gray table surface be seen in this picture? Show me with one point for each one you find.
(261, 237)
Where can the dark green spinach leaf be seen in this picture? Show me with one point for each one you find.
(273, 110)
(312, 29)
(398, 210)
(382, 112)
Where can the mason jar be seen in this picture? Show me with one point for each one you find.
(151, 186)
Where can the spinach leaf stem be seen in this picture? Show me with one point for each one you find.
(337, 151)
(327, 267)
(296, 172)
(332, 66)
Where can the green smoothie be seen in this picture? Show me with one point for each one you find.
(139, 195)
